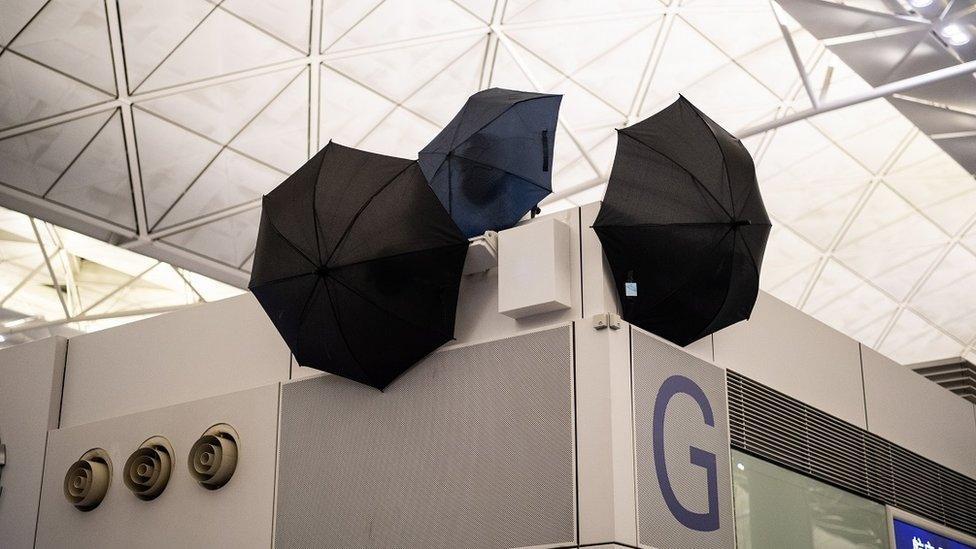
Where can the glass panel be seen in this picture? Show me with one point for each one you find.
(776, 508)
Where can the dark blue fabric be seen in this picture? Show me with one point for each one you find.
(493, 162)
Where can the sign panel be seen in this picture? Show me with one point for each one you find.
(684, 493)
(909, 536)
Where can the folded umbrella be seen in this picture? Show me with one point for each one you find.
(358, 265)
(683, 225)
(492, 163)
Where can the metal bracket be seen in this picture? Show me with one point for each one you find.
(606, 320)
(482, 253)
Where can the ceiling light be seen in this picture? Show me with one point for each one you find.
(920, 3)
(954, 34)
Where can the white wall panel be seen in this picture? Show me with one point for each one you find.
(914, 412)
(795, 354)
(185, 514)
(203, 351)
(30, 398)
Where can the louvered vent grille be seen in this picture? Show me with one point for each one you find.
(783, 430)
(959, 377)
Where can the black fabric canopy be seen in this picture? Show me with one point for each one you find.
(358, 265)
(492, 163)
(683, 225)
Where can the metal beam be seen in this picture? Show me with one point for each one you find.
(87, 318)
(50, 269)
(899, 86)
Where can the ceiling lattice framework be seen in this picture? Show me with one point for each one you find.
(157, 126)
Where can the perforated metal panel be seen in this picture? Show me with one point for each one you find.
(684, 427)
(473, 447)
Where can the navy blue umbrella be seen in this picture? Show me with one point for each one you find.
(492, 164)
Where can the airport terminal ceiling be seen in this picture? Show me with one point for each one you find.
(157, 126)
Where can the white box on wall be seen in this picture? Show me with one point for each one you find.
(534, 269)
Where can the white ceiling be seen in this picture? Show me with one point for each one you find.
(158, 126)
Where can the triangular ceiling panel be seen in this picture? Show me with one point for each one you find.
(940, 301)
(279, 133)
(151, 30)
(829, 19)
(222, 110)
(942, 189)
(230, 180)
(221, 44)
(580, 107)
(755, 105)
(539, 10)
(338, 18)
(591, 55)
(878, 58)
(842, 297)
(958, 92)
(890, 242)
(348, 112)
(452, 85)
(935, 120)
(33, 161)
(16, 15)
(772, 64)
(398, 20)
(29, 92)
(872, 143)
(229, 241)
(788, 264)
(71, 36)
(961, 148)
(402, 134)
(276, 18)
(913, 339)
(398, 73)
(482, 9)
(98, 182)
(672, 72)
(734, 29)
(170, 158)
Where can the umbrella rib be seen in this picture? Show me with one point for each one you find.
(385, 310)
(360, 212)
(315, 215)
(725, 162)
(370, 260)
(673, 161)
(752, 257)
(540, 95)
(278, 280)
(342, 334)
(728, 289)
(303, 315)
(480, 163)
(290, 243)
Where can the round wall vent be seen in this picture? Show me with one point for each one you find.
(88, 479)
(147, 470)
(213, 457)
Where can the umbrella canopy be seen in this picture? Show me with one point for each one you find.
(683, 225)
(492, 163)
(358, 265)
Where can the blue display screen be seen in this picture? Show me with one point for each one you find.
(909, 536)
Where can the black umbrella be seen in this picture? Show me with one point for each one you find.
(492, 163)
(358, 265)
(683, 225)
